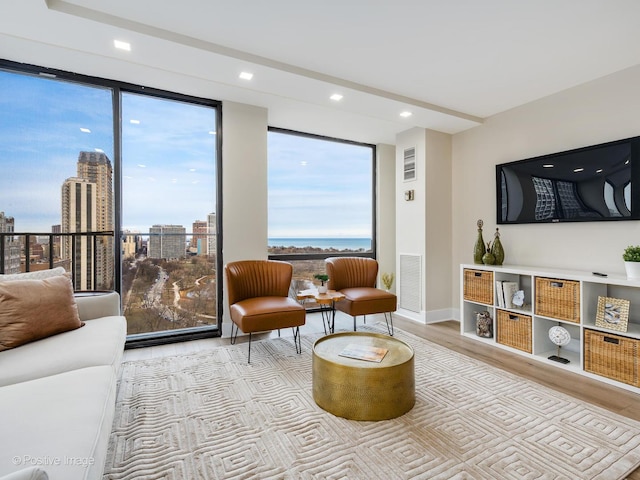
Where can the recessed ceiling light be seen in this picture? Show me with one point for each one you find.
(406, 114)
(576, 170)
(120, 45)
(336, 97)
(134, 121)
(85, 130)
(599, 170)
(547, 165)
(246, 75)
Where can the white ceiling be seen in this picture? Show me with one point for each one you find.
(452, 63)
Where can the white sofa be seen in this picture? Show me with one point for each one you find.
(57, 397)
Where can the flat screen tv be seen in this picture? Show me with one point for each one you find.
(599, 182)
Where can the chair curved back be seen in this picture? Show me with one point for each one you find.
(350, 272)
(257, 278)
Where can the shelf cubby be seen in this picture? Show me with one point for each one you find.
(577, 314)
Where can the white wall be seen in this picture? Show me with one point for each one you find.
(600, 111)
(244, 187)
(410, 216)
(386, 209)
(438, 225)
(423, 226)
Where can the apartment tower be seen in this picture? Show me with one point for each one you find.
(87, 206)
(168, 242)
(11, 245)
(211, 230)
(199, 237)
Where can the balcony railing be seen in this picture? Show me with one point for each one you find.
(20, 244)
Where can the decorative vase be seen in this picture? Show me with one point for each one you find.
(484, 325)
(633, 270)
(497, 250)
(488, 258)
(479, 249)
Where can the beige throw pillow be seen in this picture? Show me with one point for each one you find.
(35, 309)
(35, 275)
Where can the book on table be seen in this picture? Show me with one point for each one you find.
(364, 352)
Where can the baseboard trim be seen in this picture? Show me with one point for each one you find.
(432, 316)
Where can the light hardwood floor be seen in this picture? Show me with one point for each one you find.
(447, 334)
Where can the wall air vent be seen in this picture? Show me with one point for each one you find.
(409, 164)
(410, 283)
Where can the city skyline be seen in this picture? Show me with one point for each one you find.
(168, 168)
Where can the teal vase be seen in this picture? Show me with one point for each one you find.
(497, 250)
(480, 248)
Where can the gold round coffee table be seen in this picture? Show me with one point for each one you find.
(351, 387)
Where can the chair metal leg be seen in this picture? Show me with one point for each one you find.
(354, 323)
(297, 339)
(389, 322)
(234, 337)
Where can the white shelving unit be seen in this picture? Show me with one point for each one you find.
(590, 288)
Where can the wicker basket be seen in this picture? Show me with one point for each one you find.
(612, 356)
(514, 330)
(558, 299)
(478, 286)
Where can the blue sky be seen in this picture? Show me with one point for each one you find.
(319, 188)
(168, 154)
(316, 188)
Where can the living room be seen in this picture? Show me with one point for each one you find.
(593, 100)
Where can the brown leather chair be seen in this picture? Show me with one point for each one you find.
(259, 299)
(355, 278)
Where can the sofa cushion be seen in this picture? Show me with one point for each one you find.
(30, 473)
(64, 420)
(37, 275)
(35, 309)
(99, 342)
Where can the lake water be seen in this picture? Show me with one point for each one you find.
(337, 243)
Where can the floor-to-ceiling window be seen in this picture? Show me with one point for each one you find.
(321, 201)
(118, 184)
(168, 213)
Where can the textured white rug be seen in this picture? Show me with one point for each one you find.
(212, 416)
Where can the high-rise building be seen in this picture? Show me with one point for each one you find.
(168, 242)
(55, 248)
(11, 245)
(130, 244)
(199, 236)
(79, 215)
(211, 230)
(87, 206)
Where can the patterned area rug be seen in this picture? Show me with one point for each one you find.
(212, 416)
